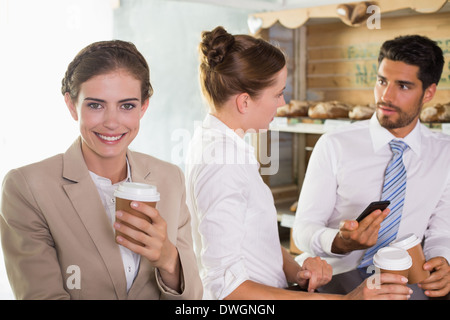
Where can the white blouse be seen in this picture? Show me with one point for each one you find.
(106, 190)
(234, 220)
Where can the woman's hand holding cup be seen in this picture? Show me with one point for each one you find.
(140, 228)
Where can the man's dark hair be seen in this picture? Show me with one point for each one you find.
(418, 51)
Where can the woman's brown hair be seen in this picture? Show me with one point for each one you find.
(103, 57)
(236, 64)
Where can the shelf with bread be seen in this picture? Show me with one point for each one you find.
(308, 120)
(320, 117)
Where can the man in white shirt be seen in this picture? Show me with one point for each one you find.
(347, 170)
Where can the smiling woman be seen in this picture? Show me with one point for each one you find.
(108, 109)
(63, 29)
(59, 214)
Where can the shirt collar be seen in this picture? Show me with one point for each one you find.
(102, 180)
(381, 136)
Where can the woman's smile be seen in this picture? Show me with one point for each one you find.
(108, 138)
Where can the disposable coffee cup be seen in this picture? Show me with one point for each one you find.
(411, 243)
(393, 260)
(127, 192)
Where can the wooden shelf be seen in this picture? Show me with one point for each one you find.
(318, 126)
(307, 125)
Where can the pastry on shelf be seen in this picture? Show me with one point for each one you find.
(283, 111)
(344, 12)
(329, 110)
(353, 15)
(295, 108)
(299, 108)
(360, 14)
(436, 113)
(362, 112)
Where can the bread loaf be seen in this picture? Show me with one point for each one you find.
(299, 108)
(436, 113)
(362, 112)
(329, 110)
(294, 108)
(353, 15)
(283, 111)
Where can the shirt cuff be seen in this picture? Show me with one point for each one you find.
(164, 288)
(234, 276)
(326, 239)
(438, 252)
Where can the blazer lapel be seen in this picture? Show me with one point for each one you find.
(140, 171)
(87, 203)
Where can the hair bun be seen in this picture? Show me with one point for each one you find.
(215, 45)
(215, 57)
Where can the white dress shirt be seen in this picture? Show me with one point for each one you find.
(346, 172)
(106, 190)
(234, 220)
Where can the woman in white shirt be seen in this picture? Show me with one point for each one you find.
(234, 217)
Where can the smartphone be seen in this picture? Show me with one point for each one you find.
(381, 205)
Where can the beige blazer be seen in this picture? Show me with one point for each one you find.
(54, 229)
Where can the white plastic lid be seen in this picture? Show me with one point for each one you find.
(391, 258)
(137, 191)
(406, 242)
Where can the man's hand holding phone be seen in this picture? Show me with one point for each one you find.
(354, 235)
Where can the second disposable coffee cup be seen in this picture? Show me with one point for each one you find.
(127, 192)
(411, 243)
(393, 260)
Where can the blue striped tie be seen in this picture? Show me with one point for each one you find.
(394, 190)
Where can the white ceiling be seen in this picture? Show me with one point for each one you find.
(269, 5)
